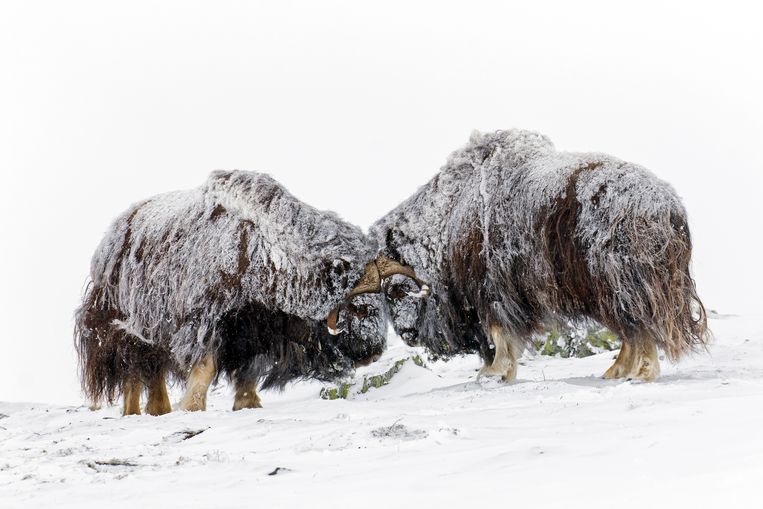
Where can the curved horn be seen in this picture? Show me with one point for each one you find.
(332, 319)
(388, 267)
(370, 282)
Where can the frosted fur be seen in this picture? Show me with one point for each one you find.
(512, 232)
(177, 270)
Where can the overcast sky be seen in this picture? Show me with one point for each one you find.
(352, 106)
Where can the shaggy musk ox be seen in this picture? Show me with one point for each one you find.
(235, 277)
(513, 235)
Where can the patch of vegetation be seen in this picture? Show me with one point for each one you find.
(399, 431)
(343, 390)
(576, 341)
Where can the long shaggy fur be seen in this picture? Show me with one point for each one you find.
(511, 232)
(109, 357)
(189, 273)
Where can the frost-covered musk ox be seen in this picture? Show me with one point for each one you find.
(235, 277)
(513, 235)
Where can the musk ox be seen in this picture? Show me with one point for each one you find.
(513, 235)
(235, 277)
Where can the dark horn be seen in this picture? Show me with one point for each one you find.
(370, 282)
(388, 267)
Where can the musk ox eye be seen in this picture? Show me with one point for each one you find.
(397, 292)
(340, 266)
(358, 311)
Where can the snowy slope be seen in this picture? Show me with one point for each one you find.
(435, 436)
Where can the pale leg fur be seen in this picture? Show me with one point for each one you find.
(246, 397)
(158, 399)
(131, 396)
(202, 374)
(649, 368)
(635, 361)
(507, 351)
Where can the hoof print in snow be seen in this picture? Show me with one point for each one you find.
(399, 432)
(185, 434)
(279, 470)
(105, 465)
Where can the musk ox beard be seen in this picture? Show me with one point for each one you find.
(235, 278)
(513, 235)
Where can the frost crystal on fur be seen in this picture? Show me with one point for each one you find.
(514, 233)
(237, 267)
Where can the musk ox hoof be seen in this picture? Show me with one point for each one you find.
(158, 408)
(194, 403)
(649, 370)
(193, 407)
(131, 396)
(202, 374)
(247, 401)
(246, 396)
(646, 373)
(506, 374)
(615, 372)
(635, 362)
(158, 399)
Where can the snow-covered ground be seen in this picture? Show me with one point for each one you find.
(558, 437)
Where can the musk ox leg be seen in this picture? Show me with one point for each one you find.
(507, 351)
(131, 395)
(649, 367)
(623, 365)
(158, 399)
(202, 374)
(246, 396)
(637, 360)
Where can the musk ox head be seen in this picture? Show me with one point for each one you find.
(360, 310)
(362, 329)
(405, 307)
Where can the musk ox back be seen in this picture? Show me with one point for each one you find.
(514, 235)
(234, 277)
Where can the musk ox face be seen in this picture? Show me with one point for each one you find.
(364, 329)
(361, 308)
(405, 307)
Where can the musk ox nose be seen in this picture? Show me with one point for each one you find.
(408, 335)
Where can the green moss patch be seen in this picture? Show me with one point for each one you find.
(343, 390)
(579, 341)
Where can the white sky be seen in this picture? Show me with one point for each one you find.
(352, 106)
